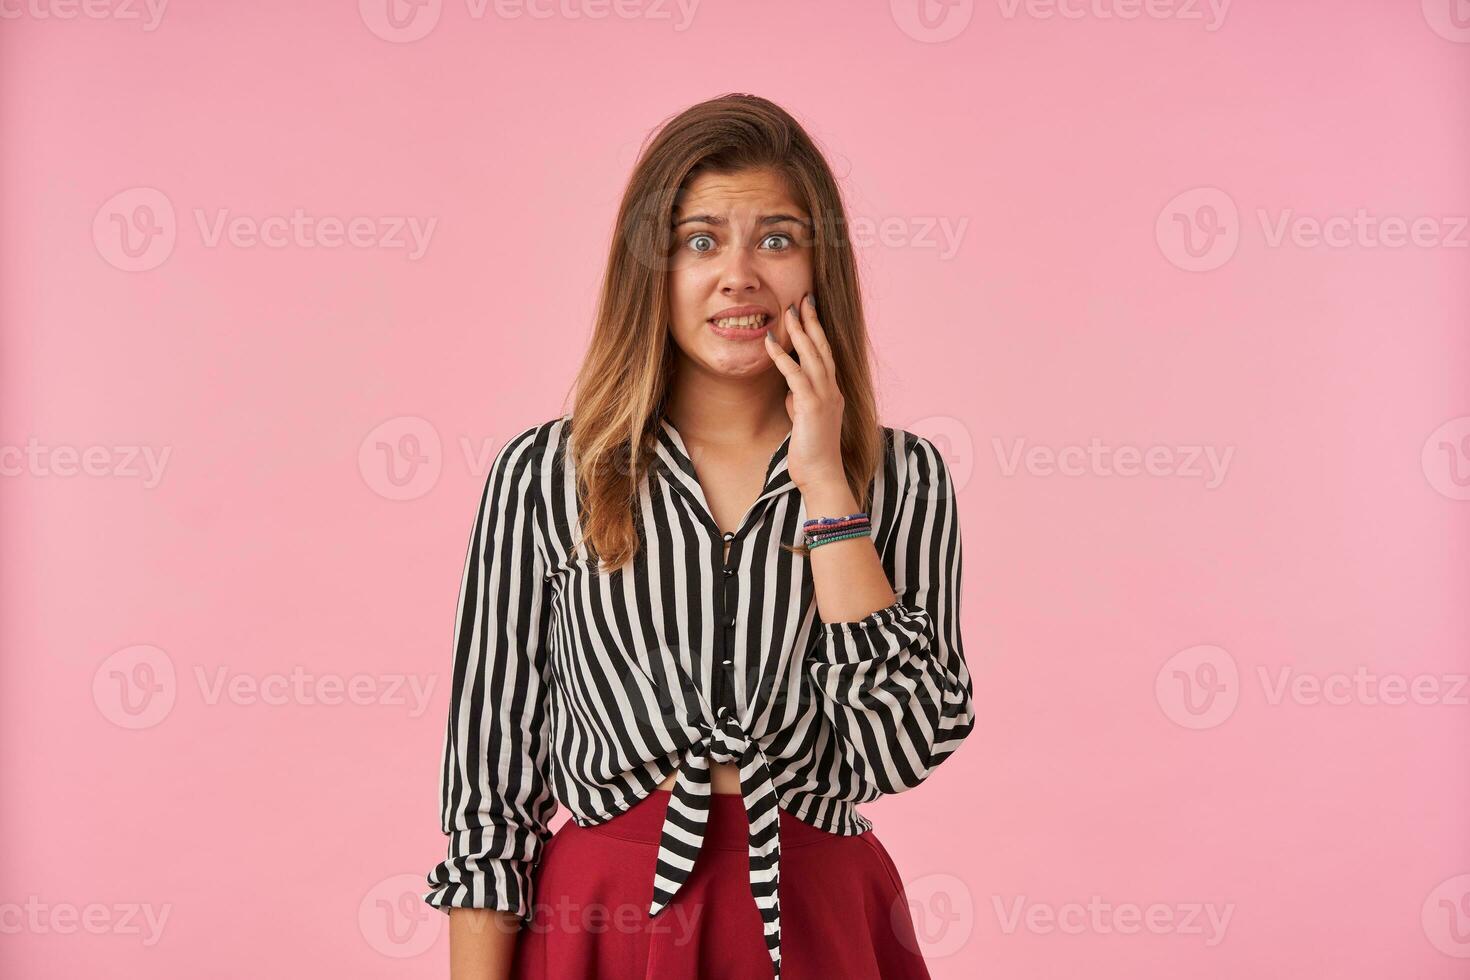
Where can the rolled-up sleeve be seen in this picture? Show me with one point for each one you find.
(495, 783)
(895, 684)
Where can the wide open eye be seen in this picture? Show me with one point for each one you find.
(696, 237)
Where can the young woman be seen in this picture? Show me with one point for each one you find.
(708, 612)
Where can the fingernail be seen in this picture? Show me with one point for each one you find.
(811, 301)
(792, 310)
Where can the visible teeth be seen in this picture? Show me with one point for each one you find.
(738, 322)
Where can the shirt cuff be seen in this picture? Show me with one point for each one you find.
(890, 629)
(500, 884)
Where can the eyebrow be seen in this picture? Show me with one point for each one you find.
(770, 219)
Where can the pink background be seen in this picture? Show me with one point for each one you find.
(288, 837)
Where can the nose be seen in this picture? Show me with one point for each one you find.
(739, 271)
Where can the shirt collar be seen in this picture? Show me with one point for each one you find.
(678, 468)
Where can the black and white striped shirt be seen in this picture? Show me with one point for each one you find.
(587, 689)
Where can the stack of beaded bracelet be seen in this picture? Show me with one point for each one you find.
(824, 530)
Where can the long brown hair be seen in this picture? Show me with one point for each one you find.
(625, 376)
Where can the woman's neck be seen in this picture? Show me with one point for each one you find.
(722, 413)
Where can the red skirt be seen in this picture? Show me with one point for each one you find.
(843, 908)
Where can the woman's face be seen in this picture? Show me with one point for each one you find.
(742, 245)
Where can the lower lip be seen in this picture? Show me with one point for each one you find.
(744, 333)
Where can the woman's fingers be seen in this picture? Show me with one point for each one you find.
(813, 364)
(796, 378)
(818, 336)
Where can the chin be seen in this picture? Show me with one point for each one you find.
(738, 365)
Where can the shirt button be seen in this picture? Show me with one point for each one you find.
(731, 624)
(729, 535)
(729, 571)
(727, 662)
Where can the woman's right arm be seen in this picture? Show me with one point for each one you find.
(482, 944)
(496, 793)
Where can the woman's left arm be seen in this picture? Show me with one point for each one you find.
(889, 662)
